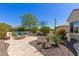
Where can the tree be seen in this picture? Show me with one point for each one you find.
(3, 29)
(21, 29)
(45, 29)
(29, 21)
(55, 23)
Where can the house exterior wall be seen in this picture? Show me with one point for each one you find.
(73, 19)
(74, 16)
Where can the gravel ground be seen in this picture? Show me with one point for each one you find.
(60, 51)
(3, 48)
(29, 47)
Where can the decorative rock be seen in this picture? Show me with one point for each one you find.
(39, 43)
(44, 45)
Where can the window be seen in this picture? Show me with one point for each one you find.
(74, 26)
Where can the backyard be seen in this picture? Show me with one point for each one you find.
(34, 38)
(29, 47)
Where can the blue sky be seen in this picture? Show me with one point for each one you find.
(10, 13)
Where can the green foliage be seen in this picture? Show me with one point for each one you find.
(34, 30)
(59, 35)
(45, 29)
(61, 31)
(4, 28)
(14, 34)
(21, 29)
(57, 39)
(2, 34)
(49, 38)
(28, 20)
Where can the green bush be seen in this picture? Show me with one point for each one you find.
(34, 30)
(14, 34)
(4, 28)
(21, 29)
(57, 39)
(61, 31)
(49, 38)
(59, 35)
(2, 34)
(45, 29)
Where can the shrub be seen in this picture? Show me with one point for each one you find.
(49, 38)
(61, 31)
(2, 34)
(34, 30)
(4, 28)
(45, 29)
(14, 34)
(57, 39)
(59, 35)
(21, 29)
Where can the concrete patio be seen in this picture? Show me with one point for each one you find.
(22, 47)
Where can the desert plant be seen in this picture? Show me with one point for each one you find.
(45, 30)
(49, 38)
(57, 39)
(59, 35)
(61, 31)
(34, 30)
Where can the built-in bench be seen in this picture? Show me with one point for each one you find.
(74, 36)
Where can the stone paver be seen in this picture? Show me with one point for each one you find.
(22, 47)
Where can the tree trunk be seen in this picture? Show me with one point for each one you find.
(29, 29)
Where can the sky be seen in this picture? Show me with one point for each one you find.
(10, 13)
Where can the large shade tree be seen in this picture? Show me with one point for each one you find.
(29, 21)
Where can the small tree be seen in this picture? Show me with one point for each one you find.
(45, 29)
(29, 21)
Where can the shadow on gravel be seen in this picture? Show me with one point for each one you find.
(3, 48)
(70, 44)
